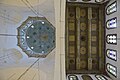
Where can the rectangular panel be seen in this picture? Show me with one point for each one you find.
(94, 50)
(78, 38)
(71, 38)
(70, 57)
(94, 38)
(71, 63)
(94, 27)
(83, 38)
(71, 49)
(71, 26)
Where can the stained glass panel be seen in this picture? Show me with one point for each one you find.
(100, 77)
(112, 69)
(111, 39)
(112, 54)
(72, 77)
(111, 8)
(111, 23)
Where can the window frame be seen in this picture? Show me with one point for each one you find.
(112, 7)
(99, 2)
(111, 35)
(110, 20)
(72, 75)
(110, 57)
(109, 70)
(101, 76)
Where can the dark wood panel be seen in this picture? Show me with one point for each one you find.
(77, 54)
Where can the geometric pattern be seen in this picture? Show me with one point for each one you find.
(36, 37)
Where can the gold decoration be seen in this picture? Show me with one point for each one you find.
(83, 64)
(82, 12)
(71, 38)
(71, 49)
(94, 50)
(82, 50)
(94, 38)
(83, 33)
(71, 26)
(83, 26)
(94, 27)
(83, 43)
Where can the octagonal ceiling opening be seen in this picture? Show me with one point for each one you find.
(36, 37)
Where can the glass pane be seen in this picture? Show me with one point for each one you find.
(112, 54)
(72, 77)
(99, 0)
(111, 23)
(112, 69)
(100, 77)
(112, 38)
(111, 8)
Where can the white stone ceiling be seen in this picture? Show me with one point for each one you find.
(20, 3)
(12, 14)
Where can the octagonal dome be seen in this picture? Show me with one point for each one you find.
(36, 37)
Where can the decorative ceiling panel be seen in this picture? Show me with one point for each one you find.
(36, 37)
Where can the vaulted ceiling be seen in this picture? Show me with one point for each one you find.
(12, 14)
